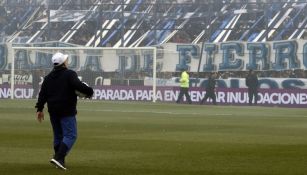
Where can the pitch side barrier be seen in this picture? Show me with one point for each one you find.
(225, 96)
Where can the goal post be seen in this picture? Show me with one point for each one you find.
(99, 67)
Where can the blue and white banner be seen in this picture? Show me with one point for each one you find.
(171, 57)
(264, 83)
(237, 56)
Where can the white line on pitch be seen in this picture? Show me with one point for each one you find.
(154, 112)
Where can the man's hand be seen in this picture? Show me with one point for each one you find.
(40, 116)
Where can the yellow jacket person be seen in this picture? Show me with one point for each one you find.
(184, 86)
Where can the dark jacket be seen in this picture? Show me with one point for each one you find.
(251, 81)
(58, 90)
(211, 84)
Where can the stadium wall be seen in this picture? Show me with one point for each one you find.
(225, 96)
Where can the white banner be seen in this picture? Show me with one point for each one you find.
(171, 57)
(65, 15)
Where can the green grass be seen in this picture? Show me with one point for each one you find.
(124, 138)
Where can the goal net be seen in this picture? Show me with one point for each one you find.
(114, 73)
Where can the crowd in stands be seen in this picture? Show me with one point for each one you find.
(11, 17)
(15, 13)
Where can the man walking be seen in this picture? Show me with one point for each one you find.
(210, 89)
(184, 86)
(58, 91)
(252, 83)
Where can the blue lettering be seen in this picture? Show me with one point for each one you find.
(93, 62)
(22, 60)
(234, 83)
(148, 62)
(221, 84)
(122, 64)
(129, 63)
(194, 81)
(186, 53)
(135, 66)
(3, 58)
(73, 61)
(257, 52)
(210, 49)
(305, 55)
(229, 61)
(203, 84)
(292, 84)
(268, 82)
(43, 59)
(283, 51)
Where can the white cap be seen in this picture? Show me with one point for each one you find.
(58, 58)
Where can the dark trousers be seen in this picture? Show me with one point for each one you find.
(209, 94)
(64, 134)
(184, 91)
(252, 94)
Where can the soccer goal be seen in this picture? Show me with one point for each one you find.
(114, 73)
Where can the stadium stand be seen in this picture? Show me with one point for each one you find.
(136, 23)
(133, 23)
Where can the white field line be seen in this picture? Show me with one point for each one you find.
(167, 112)
(153, 112)
(186, 113)
(138, 111)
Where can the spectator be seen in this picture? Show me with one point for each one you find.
(210, 89)
(62, 104)
(252, 84)
(184, 86)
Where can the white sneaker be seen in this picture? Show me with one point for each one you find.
(58, 164)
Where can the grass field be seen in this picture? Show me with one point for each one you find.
(124, 138)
